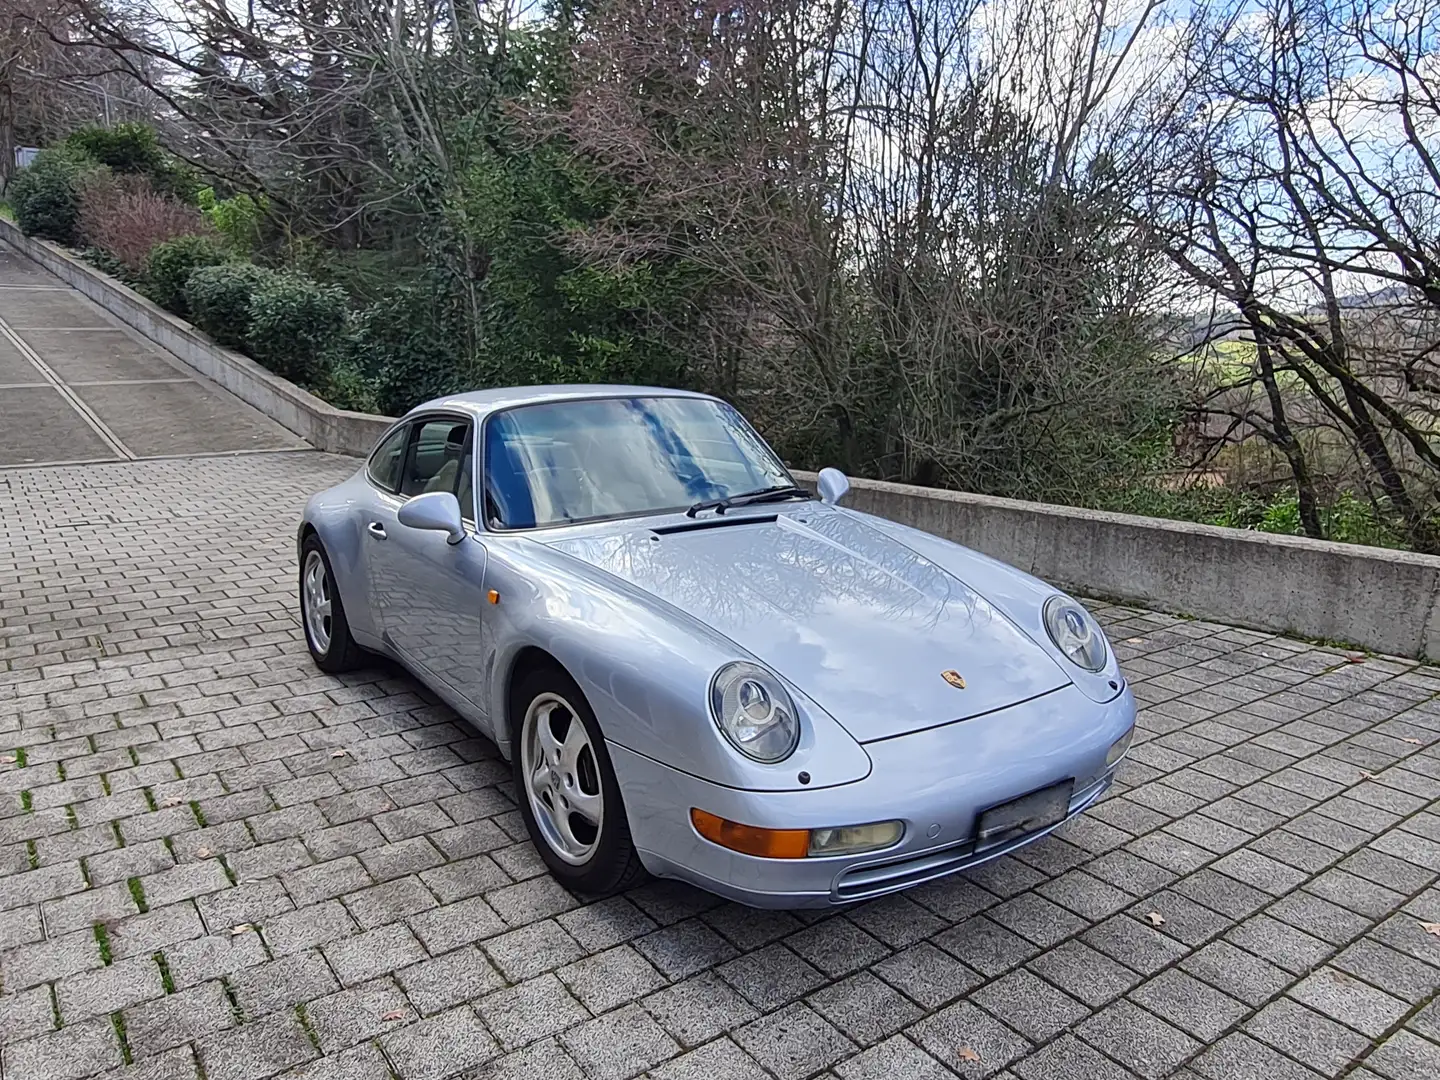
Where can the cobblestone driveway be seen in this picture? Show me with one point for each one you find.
(216, 862)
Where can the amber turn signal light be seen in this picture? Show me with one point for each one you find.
(750, 839)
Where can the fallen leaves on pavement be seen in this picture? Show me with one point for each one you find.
(242, 928)
(966, 1053)
(394, 1014)
(1154, 918)
(1431, 928)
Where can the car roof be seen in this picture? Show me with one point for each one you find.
(481, 403)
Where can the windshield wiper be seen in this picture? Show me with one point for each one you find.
(764, 495)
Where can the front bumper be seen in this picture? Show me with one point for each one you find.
(937, 782)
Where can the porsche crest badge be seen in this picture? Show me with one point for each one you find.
(954, 678)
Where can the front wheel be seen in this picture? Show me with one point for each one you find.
(327, 633)
(568, 794)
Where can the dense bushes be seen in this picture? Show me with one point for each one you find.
(46, 194)
(295, 326)
(218, 298)
(134, 149)
(121, 214)
(169, 265)
(412, 347)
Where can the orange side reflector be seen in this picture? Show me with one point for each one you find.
(750, 839)
(493, 596)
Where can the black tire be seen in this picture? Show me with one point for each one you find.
(340, 653)
(613, 865)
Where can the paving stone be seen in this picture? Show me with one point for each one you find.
(461, 923)
(386, 903)
(1030, 1005)
(324, 881)
(74, 1051)
(530, 1011)
(359, 1013)
(177, 1064)
(1137, 946)
(684, 948)
(545, 1060)
(771, 977)
(282, 984)
(1083, 973)
(986, 946)
(25, 1015)
(461, 975)
(609, 922)
(1345, 998)
(865, 1009)
(440, 1046)
(360, 958)
(1189, 1004)
(178, 1018)
(837, 947)
(612, 978)
(897, 1056)
(1306, 1035)
(1281, 944)
(698, 1009)
(619, 1045)
(1405, 1057)
(927, 975)
(718, 1060)
(30, 965)
(531, 950)
(1402, 976)
(307, 927)
(793, 1042)
(263, 1048)
(1067, 1058)
(107, 989)
(956, 1033)
(1240, 1057)
(142, 935)
(363, 1062)
(1143, 1043)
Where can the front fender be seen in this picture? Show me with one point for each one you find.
(1019, 595)
(645, 669)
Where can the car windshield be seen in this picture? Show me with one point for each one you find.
(569, 461)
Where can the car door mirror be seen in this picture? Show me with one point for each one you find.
(832, 485)
(438, 511)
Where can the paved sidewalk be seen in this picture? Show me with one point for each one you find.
(76, 385)
(213, 857)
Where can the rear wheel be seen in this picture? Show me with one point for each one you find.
(327, 633)
(569, 797)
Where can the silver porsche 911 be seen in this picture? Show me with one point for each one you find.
(695, 667)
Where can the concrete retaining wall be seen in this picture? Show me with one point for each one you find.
(1381, 600)
(321, 425)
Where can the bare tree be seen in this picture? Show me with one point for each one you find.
(1308, 199)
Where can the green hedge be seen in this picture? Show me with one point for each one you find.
(296, 325)
(169, 265)
(219, 300)
(46, 194)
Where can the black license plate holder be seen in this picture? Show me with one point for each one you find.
(1020, 817)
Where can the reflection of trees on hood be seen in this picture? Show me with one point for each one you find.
(769, 571)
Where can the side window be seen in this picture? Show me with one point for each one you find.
(384, 466)
(439, 460)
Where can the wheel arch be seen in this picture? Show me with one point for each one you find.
(526, 660)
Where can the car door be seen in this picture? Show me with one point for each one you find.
(429, 590)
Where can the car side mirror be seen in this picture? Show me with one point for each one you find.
(833, 486)
(438, 511)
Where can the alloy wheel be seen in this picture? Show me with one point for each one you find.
(562, 778)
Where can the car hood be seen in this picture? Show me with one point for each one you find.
(854, 618)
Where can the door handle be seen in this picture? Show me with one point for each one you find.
(377, 530)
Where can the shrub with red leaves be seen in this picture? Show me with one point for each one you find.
(122, 215)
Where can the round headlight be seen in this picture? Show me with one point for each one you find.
(754, 712)
(1075, 633)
